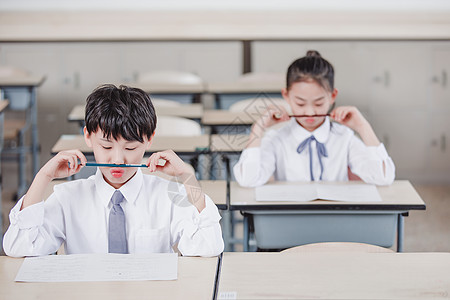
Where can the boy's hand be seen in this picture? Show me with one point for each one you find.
(349, 116)
(173, 165)
(64, 164)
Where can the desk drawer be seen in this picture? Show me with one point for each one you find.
(275, 230)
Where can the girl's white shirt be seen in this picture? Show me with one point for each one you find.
(277, 156)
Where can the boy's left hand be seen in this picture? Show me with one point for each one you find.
(349, 116)
(173, 166)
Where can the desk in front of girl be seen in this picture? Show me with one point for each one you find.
(287, 224)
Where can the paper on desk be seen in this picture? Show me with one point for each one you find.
(99, 267)
(323, 191)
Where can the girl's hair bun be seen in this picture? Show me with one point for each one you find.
(313, 53)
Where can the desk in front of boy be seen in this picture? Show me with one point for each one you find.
(328, 275)
(10, 85)
(188, 111)
(196, 280)
(327, 221)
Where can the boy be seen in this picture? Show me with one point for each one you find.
(117, 210)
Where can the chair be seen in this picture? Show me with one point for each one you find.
(158, 102)
(176, 126)
(169, 77)
(183, 87)
(338, 247)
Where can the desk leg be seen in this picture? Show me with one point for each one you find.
(34, 131)
(246, 234)
(400, 230)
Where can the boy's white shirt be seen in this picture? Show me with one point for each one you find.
(158, 216)
(277, 155)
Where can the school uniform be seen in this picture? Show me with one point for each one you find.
(158, 216)
(291, 153)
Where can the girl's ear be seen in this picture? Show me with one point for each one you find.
(333, 96)
(87, 137)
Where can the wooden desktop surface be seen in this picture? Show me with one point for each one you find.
(400, 195)
(335, 275)
(228, 142)
(190, 111)
(225, 117)
(196, 279)
(17, 81)
(182, 144)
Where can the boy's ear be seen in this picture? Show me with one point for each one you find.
(87, 137)
(285, 94)
(149, 142)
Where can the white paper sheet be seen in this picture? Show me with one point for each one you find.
(99, 267)
(314, 191)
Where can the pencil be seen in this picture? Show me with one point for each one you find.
(92, 164)
(278, 116)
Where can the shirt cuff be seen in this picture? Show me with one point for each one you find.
(379, 151)
(29, 217)
(251, 154)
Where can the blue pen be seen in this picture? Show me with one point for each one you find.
(92, 164)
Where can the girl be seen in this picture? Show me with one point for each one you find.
(309, 147)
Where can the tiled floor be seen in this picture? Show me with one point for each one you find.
(425, 231)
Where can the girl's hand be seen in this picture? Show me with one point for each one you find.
(349, 116)
(64, 164)
(173, 166)
(272, 116)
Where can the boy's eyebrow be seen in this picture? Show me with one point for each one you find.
(317, 99)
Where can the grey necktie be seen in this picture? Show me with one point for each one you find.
(117, 235)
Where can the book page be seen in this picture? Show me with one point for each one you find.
(99, 267)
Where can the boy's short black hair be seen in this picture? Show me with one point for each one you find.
(120, 112)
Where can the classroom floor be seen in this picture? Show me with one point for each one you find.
(425, 231)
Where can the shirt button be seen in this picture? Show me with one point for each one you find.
(196, 220)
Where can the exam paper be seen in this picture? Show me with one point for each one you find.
(314, 191)
(99, 267)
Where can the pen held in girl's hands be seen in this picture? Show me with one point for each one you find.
(277, 116)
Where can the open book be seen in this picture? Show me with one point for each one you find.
(313, 191)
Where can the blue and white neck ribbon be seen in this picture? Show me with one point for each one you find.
(321, 152)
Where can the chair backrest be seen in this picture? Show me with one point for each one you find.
(274, 77)
(338, 247)
(176, 126)
(169, 77)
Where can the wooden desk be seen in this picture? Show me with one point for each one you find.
(29, 84)
(397, 200)
(179, 144)
(335, 275)
(196, 280)
(223, 117)
(189, 111)
(3, 105)
(216, 189)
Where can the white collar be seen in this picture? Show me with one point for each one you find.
(129, 190)
(321, 134)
